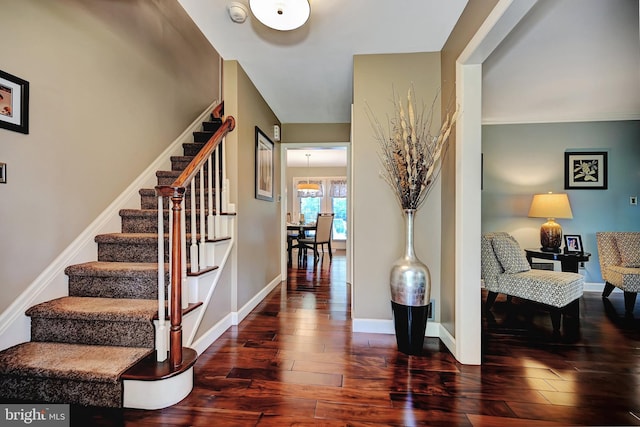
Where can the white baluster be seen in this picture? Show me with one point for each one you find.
(225, 190)
(161, 331)
(210, 225)
(202, 257)
(193, 250)
(217, 192)
(183, 231)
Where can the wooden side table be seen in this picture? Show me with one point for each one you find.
(568, 262)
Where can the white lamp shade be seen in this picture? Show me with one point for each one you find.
(550, 205)
(283, 15)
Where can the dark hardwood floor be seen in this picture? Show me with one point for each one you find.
(295, 361)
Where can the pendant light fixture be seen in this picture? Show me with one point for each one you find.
(282, 15)
(308, 187)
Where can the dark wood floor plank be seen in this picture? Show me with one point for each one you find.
(390, 416)
(294, 361)
(489, 421)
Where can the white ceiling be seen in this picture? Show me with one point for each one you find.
(319, 157)
(305, 75)
(567, 60)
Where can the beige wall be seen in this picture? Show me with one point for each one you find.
(112, 85)
(377, 219)
(258, 222)
(472, 17)
(316, 132)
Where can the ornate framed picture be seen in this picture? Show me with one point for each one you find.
(573, 244)
(14, 103)
(585, 170)
(264, 166)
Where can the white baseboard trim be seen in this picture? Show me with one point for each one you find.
(384, 326)
(596, 287)
(231, 319)
(52, 282)
(253, 302)
(215, 332)
(448, 340)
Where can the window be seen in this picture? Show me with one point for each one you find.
(332, 197)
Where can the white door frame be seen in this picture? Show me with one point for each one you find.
(502, 19)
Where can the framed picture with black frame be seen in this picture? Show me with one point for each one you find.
(14, 103)
(585, 170)
(573, 244)
(264, 166)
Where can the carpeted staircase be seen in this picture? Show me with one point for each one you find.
(83, 345)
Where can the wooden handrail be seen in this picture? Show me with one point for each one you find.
(176, 192)
(218, 111)
(199, 160)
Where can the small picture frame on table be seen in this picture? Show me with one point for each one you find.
(573, 244)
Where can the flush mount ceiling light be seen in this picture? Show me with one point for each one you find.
(283, 15)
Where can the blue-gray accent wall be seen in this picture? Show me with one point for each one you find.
(520, 160)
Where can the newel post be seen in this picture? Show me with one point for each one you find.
(175, 333)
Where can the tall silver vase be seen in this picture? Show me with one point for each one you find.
(410, 282)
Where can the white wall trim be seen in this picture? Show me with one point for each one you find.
(215, 332)
(466, 345)
(613, 117)
(233, 318)
(447, 339)
(502, 19)
(597, 287)
(468, 328)
(253, 302)
(386, 326)
(52, 282)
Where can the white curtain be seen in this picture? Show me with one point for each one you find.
(338, 188)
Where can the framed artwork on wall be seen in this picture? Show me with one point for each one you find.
(14, 103)
(585, 170)
(573, 244)
(264, 166)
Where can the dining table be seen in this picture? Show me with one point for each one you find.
(303, 232)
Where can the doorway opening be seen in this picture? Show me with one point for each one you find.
(329, 166)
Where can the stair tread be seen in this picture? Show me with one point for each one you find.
(149, 368)
(70, 361)
(152, 213)
(120, 237)
(95, 308)
(148, 238)
(119, 269)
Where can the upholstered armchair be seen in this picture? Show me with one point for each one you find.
(619, 253)
(505, 270)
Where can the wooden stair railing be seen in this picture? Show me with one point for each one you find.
(209, 154)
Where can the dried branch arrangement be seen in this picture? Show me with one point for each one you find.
(410, 153)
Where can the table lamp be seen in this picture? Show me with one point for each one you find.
(550, 206)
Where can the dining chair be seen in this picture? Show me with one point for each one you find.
(324, 225)
(292, 242)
